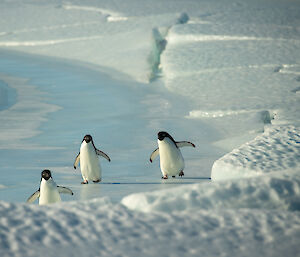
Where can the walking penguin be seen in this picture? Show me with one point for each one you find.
(89, 163)
(171, 160)
(48, 191)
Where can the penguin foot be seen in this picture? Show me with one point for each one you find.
(165, 177)
(97, 181)
(84, 182)
(181, 173)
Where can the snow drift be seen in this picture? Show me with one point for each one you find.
(279, 191)
(277, 149)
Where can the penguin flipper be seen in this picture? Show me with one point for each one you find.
(33, 197)
(76, 161)
(65, 190)
(98, 152)
(154, 154)
(184, 143)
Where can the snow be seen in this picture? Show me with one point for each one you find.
(97, 228)
(277, 149)
(71, 230)
(280, 191)
(221, 74)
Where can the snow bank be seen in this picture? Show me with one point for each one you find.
(280, 191)
(97, 228)
(277, 149)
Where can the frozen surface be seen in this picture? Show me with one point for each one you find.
(116, 115)
(222, 74)
(97, 228)
(277, 149)
(23, 118)
(279, 191)
(7, 94)
(93, 32)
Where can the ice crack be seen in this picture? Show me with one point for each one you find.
(159, 44)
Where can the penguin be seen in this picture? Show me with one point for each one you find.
(171, 160)
(88, 158)
(48, 191)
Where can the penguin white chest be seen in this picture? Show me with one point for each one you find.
(48, 192)
(89, 163)
(171, 160)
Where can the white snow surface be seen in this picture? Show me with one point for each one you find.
(97, 228)
(280, 191)
(224, 75)
(277, 149)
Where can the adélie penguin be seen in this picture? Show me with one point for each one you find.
(48, 191)
(89, 163)
(171, 160)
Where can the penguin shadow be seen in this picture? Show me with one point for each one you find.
(196, 178)
(185, 180)
(182, 180)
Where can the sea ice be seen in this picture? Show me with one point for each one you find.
(218, 73)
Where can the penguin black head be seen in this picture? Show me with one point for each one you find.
(87, 138)
(162, 135)
(46, 174)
